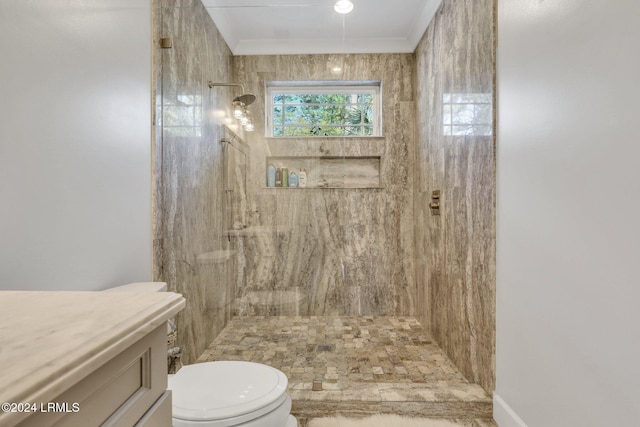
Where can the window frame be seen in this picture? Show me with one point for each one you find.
(318, 87)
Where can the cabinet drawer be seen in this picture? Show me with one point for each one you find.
(118, 393)
(160, 413)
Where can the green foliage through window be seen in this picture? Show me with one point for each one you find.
(318, 111)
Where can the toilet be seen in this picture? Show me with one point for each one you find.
(225, 394)
(230, 394)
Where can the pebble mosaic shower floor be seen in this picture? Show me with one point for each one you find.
(367, 365)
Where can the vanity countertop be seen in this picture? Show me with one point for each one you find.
(51, 340)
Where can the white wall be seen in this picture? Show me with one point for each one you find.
(75, 143)
(568, 338)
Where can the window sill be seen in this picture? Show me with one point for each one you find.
(275, 138)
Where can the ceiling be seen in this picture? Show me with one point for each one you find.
(269, 27)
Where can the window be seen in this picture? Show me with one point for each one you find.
(467, 114)
(297, 109)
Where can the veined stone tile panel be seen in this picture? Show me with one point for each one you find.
(455, 60)
(478, 422)
(188, 166)
(346, 251)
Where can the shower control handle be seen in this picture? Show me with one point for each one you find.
(435, 202)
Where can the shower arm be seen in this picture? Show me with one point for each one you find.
(212, 84)
(245, 98)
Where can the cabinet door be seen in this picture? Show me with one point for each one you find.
(118, 393)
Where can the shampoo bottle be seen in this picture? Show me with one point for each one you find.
(293, 179)
(285, 177)
(278, 177)
(302, 178)
(271, 176)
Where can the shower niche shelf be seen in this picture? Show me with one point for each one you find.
(331, 171)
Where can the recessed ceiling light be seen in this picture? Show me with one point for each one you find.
(343, 6)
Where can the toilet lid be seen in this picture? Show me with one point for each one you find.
(220, 390)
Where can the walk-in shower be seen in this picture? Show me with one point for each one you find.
(349, 282)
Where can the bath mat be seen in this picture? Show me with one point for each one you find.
(381, 421)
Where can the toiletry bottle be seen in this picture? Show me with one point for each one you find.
(293, 179)
(285, 177)
(302, 178)
(278, 177)
(271, 176)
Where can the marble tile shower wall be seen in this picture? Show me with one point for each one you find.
(330, 251)
(189, 241)
(456, 277)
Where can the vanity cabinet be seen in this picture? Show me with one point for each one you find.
(109, 368)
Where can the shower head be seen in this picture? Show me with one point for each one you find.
(246, 98)
(239, 105)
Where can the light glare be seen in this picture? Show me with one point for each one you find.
(343, 6)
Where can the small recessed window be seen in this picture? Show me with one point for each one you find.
(309, 109)
(467, 114)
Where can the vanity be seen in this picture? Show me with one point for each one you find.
(85, 358)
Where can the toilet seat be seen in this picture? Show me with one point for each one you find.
(227, 393)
